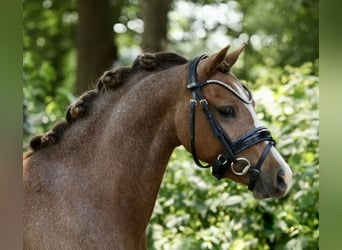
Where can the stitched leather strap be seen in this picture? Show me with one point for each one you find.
(256, 169)
(194, 86)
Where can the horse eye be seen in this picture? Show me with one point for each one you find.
(227, 112)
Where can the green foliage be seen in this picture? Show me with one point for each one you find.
(194, 211)
(280, 32)
(48, 63)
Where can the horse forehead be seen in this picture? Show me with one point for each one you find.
(222, 95)
(237, 85)
(233, 82)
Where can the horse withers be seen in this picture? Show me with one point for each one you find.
(92, 181)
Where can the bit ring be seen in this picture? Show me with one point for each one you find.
(244, 170)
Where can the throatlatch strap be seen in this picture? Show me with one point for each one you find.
(193, 134)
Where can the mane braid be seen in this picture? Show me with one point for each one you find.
(158, 61)
(113, 78)
(109, 80)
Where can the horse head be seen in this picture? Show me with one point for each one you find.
(224, 129)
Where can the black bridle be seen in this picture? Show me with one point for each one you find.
(230, 149)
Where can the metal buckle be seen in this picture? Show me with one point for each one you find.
(193, 101)
(220, 157)
(204, 101)
(245, 169)
(191, 85)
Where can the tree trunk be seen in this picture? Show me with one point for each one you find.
(95, 41)
(154, 14)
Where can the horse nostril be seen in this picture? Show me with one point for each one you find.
(281, 184)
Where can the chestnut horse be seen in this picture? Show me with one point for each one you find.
(92, 181)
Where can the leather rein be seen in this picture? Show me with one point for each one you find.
(228, 159)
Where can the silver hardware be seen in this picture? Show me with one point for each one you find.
(245, 169)
(204, 101)
(193, 101)
(225, 160)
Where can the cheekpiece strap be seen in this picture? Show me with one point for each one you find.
(194, 86)
(192, 74)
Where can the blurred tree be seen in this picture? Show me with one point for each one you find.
(48, 61)
(50, 46)
(96, 50)
(48, 39)
(154, 13)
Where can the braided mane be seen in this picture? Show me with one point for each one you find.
(110, 80)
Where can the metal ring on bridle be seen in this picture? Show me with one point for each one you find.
(245, 169)
(221, 158)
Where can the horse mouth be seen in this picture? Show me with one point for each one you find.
(259, 196)
(265, 194)
(262, 191)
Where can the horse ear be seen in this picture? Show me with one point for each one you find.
(210, 64)
(231, 58)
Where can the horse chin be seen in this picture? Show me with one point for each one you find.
(264, 194)
(260, 195)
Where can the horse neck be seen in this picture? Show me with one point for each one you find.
(133, 138)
